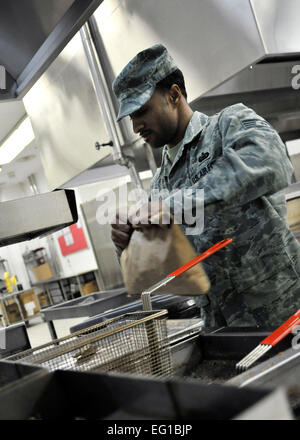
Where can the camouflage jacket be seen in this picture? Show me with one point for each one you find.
(242, 165)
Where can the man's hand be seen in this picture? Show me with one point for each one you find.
(149, 214)
(120, 232)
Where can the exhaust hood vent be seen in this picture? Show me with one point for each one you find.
(36, 216)
(261, 70)
(32, 34)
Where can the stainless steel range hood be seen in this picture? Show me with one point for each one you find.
(229, 50)
(263, 64)
(36, 216)
(32, 34)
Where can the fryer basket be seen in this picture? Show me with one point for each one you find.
(133, 343)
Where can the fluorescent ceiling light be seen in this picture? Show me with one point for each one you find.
(16, 142)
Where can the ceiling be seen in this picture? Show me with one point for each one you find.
(28, 161)
(10, 114)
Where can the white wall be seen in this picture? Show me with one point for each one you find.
(13, 192)
(86, 193)
(81, 261)
(41, 181)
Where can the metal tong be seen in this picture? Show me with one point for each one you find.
(146, 295)
(270, 341)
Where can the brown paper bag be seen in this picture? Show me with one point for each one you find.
(151, 255)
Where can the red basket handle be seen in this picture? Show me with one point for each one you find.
(201, 257)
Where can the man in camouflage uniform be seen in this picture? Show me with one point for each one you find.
(242, 165)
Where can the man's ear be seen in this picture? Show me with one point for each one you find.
(175, 94)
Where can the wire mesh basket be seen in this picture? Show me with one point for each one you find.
(134, 343)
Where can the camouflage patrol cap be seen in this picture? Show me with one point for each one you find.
(136, 83)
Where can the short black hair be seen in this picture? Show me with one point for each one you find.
(175, 77)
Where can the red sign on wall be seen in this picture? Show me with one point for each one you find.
(72, 240)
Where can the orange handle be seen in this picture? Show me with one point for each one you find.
(282, 331)
(201, 257)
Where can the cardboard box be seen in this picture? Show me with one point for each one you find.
(12, 311)
(28, 297)
(43, 299)
(90, 287)
(293, 214)
(42, 272)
